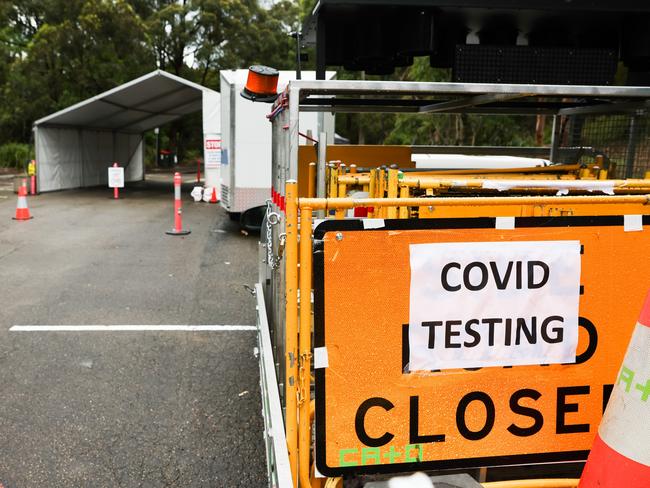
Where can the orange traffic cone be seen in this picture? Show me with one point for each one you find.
(213, 199)
(22, 212)
(620, 456)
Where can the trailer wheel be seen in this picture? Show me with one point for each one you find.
(251, 219)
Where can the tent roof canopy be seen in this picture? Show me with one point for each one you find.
(135, 107)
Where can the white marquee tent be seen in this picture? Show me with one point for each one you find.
(75, 146)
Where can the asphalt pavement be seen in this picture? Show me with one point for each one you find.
(135, 408)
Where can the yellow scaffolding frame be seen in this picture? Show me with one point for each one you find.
(291, 346)
(299, 318)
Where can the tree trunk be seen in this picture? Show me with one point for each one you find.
(539, 130)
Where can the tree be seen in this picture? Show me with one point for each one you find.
(197, 38)
(456, 129)
(204, 36)
(54, 53)
(69, 54)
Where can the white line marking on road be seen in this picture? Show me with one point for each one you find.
(130, 328)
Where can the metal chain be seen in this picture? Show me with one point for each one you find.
(304, 379)
(272, 218)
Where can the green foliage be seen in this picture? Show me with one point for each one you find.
(68, 51)
(54, 53)
(433, 129)
(463, 130)
(364, 128)
(15, 155)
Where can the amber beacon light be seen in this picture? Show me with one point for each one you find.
(262, 84)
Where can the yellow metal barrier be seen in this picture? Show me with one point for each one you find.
(361, 179)
(393, 189)
(381, 185)
(299, 405)
(291, 346)
(474, 183)
(342, 191)
(425, 182)
(556, 168)
(403, 211)
(304, 400)
(377, 181)
(311, 182)
(334, 483)
(547, 483)
(356, 179)
(381, 182)
(333, 183)
(347, 203)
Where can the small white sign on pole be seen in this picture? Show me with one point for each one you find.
(481, 304)
(116, 177)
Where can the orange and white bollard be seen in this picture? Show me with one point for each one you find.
(620, 456)
(178, 209)
(22, 212)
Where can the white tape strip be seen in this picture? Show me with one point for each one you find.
(320, 358)
(505, 223)
(459, 183)
(606, 187)
(318, 474)
(416, 480)
(373, 223)
(632, 223)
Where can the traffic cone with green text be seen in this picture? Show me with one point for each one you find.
(22, 212)
(620, 456)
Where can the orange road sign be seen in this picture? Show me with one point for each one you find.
(374, 414)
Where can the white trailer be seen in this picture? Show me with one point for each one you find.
(246, 141)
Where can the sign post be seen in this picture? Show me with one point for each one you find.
(116, 179)
(467, 345)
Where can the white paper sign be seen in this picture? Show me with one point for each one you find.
(116, 177)
(479, 304)
(213, 153)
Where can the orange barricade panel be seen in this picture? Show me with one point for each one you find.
(374, 414)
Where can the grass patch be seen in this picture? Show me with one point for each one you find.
(16, 155)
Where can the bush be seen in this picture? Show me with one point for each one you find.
(16, 155)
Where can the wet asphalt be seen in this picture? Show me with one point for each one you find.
(127, 409)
